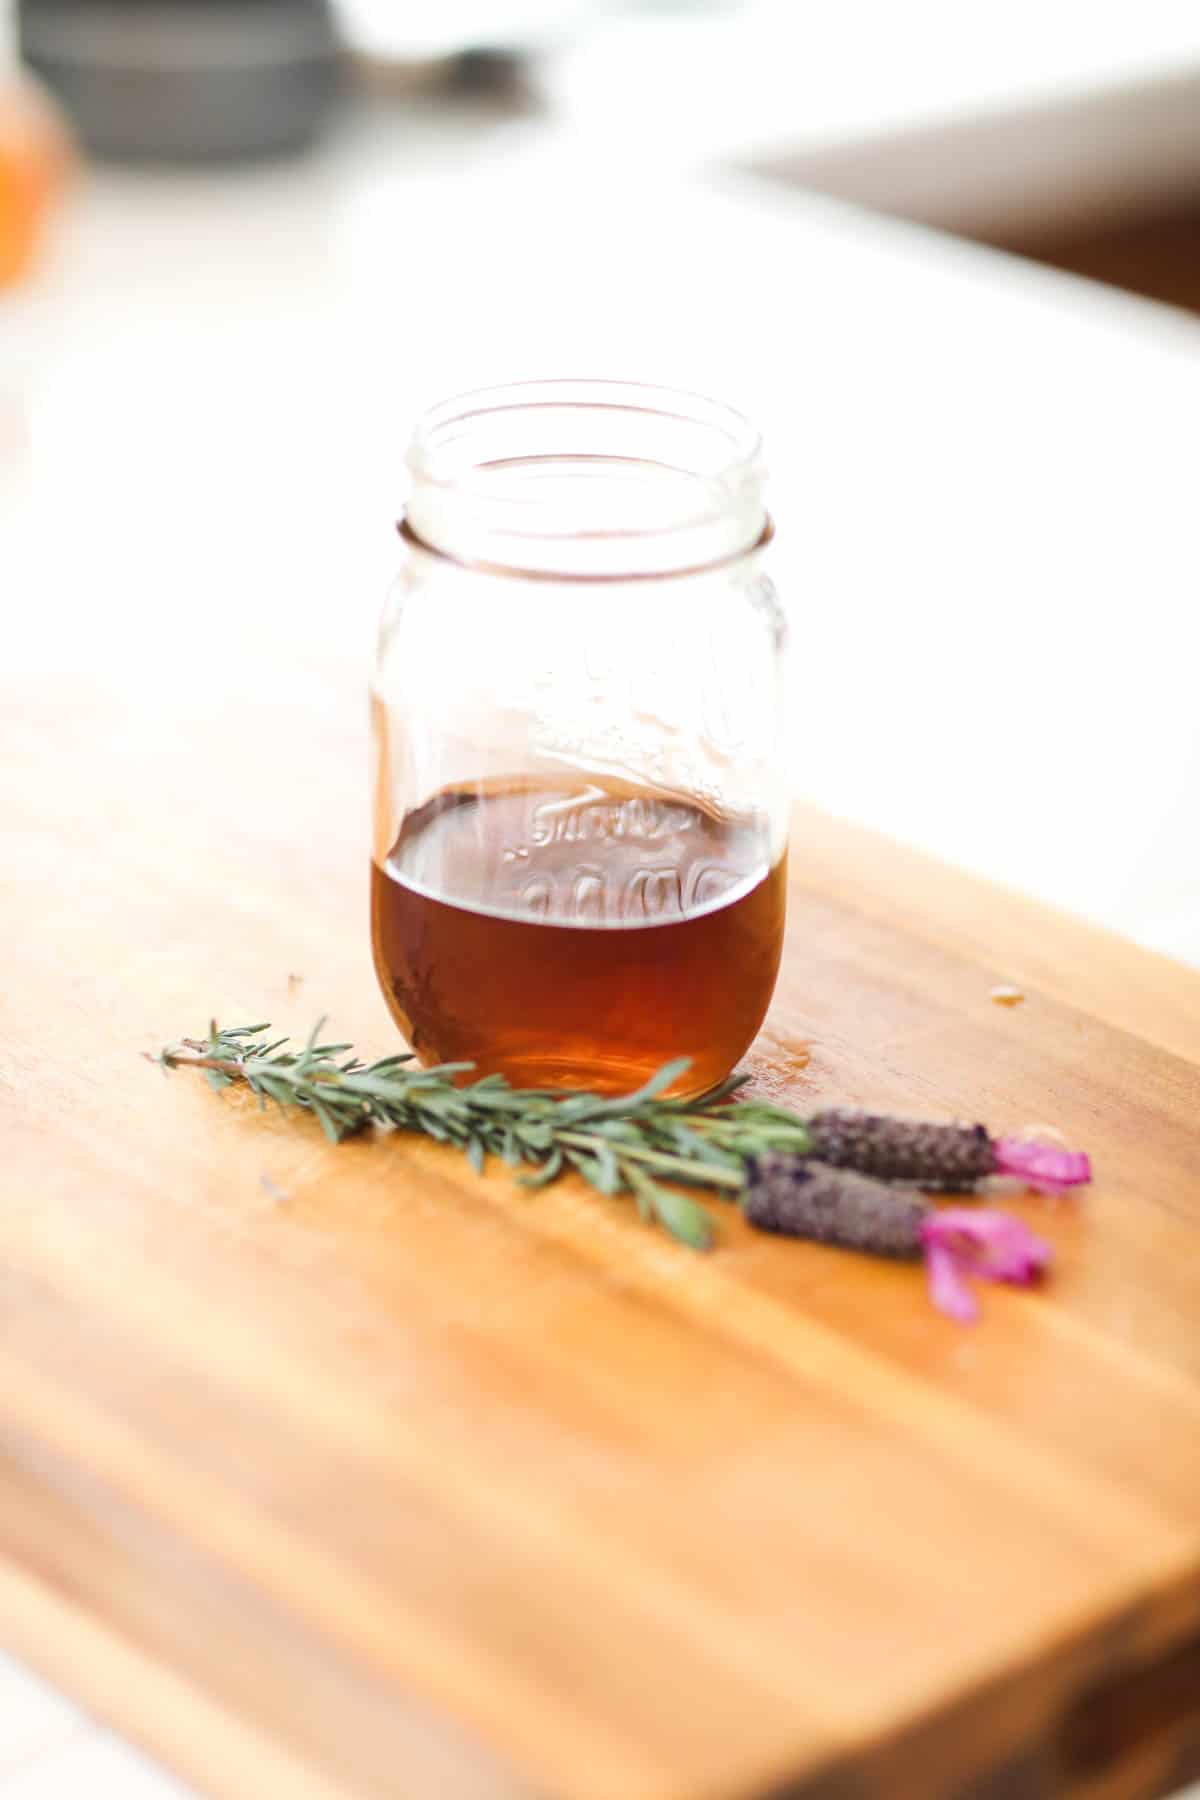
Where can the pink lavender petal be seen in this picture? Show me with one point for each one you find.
(988, 1242)
(947, 1289)
(960, 1241)
(1051, 1190)
(1042, 1165)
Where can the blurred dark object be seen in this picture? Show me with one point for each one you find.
(186, 80)
(496, 81)
(489, 74)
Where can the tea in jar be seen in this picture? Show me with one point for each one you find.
(577, 935)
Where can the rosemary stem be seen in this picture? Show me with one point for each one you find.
(679, 1168)
(194, 1059)
(237, 1070)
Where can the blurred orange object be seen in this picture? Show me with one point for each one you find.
(35, 159)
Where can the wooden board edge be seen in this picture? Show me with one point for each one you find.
(1110, 1711)
(156, 1709)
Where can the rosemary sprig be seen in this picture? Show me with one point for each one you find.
(627, 1145)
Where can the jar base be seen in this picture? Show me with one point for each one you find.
(611, 1077)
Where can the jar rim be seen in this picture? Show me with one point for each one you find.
(482, 462)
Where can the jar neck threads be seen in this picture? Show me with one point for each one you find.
(586, 479)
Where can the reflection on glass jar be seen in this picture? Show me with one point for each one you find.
(580, 811)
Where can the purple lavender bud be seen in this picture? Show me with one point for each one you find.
(947, 1158)
(803, 1198)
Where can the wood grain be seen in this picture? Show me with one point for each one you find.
(346, 1473)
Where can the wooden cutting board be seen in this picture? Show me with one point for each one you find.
(346, 1473)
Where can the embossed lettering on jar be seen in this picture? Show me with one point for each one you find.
(579, 865)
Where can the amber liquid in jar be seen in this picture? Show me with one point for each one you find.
(579, 936)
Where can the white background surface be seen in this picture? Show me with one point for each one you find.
(984, 480)
(983, 473)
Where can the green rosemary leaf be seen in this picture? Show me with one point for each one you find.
(691, 1143)
(681, 1216)
(267, 1089)
(763, 1112)
(650, 1090)
(329, 1125)
(577, 1107)
(598, 1167)
(475, 1154)
(732, 1084)
(217, 1079)
(495, 1100)
(617, 1131)
(546, 1174)
(608, 1173)
(310, 1049)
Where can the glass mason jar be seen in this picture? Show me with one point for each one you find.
(580, 800)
